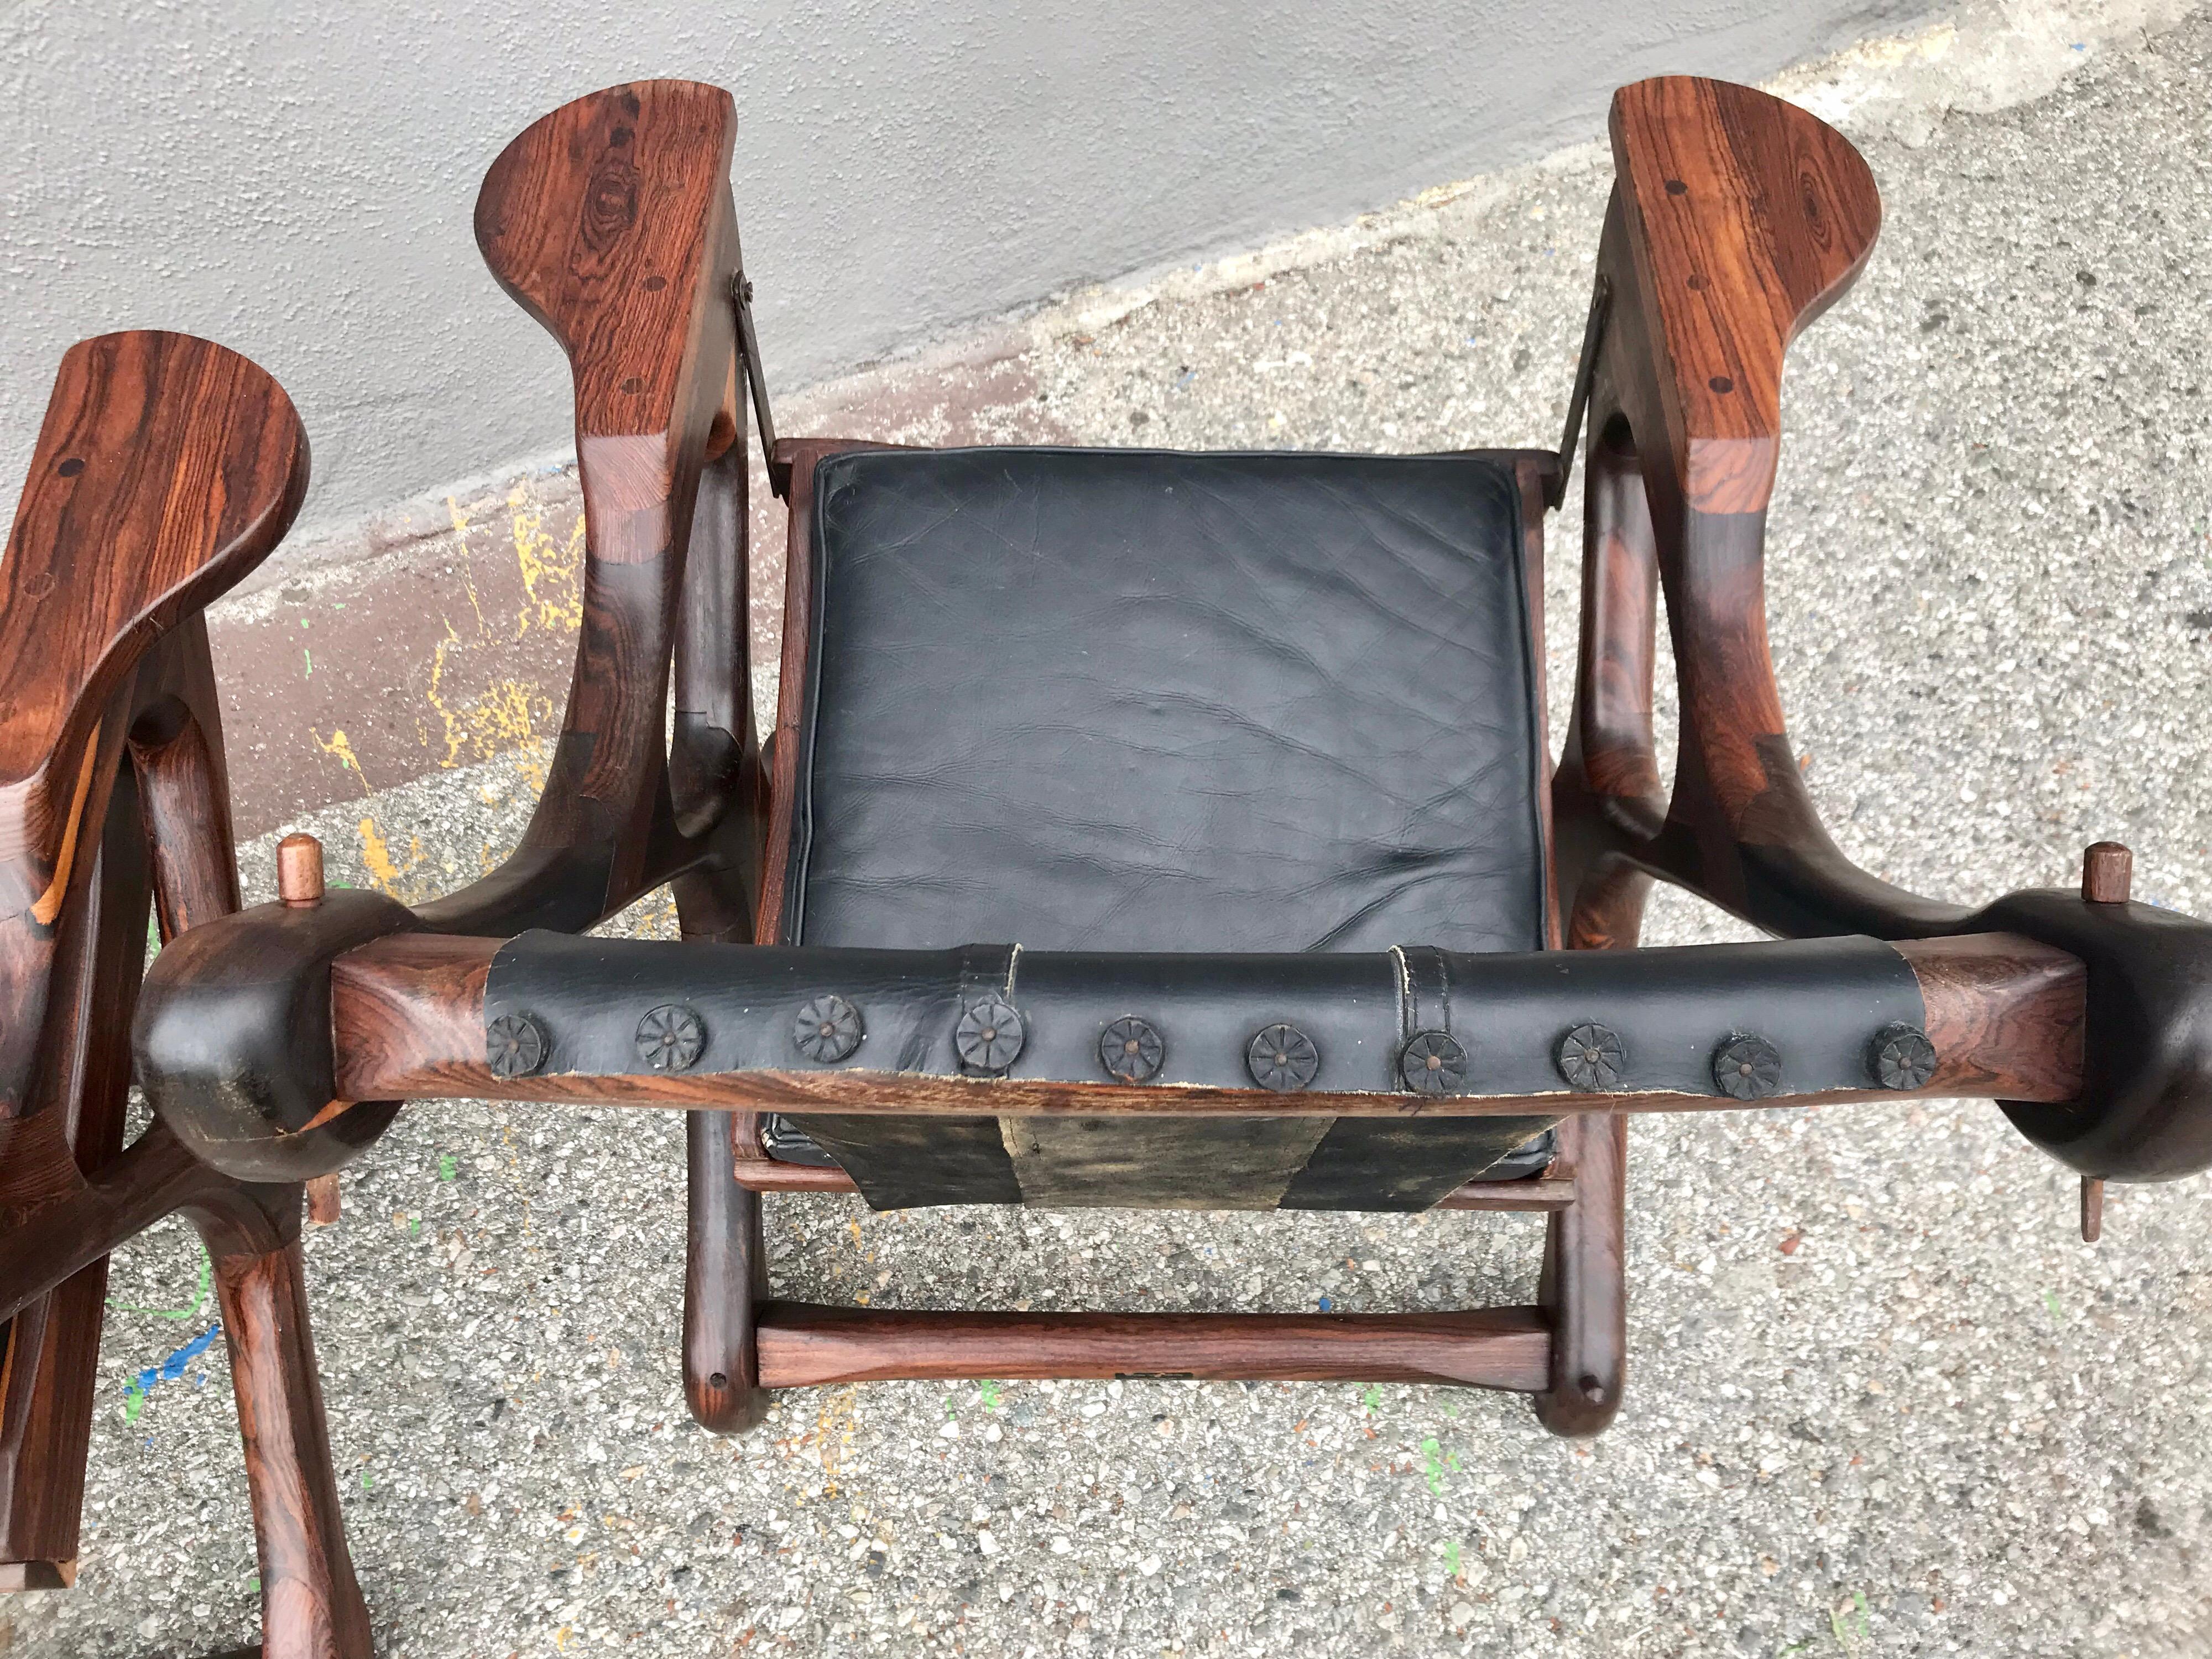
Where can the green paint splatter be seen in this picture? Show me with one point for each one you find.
(364, 1480)
(134, 1400)
(199, 1299)
(2057, 1315)
(1451, 1558)
(310, 657)
(1374, 1399)
(951, 1408)
(254, 1584)
(446, 1168)
(1432, 1455)
(988, 1393)
(1849, 1632)
(414, 1226)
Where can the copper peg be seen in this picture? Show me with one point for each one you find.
(2107, 868)
(2092, 1208)
(300, 871)
(322, 1196)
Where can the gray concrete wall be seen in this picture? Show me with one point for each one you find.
(296, 181)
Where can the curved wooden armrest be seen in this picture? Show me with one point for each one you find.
(1736, 218)
(167, 468)
(1745, 218)
(609, 220)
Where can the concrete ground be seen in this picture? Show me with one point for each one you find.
(1882, 1400)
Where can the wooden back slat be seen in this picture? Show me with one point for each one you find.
(166, 469)
(1747, 218)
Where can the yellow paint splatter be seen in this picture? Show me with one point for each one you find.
(378, 857)
(551, 575)
(504, 716)
(339, 744)
(468, 571)
(833, 1435)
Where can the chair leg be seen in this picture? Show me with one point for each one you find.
(52, 1348)
(725, 1281)
(1583, 1289)
(310, 1607)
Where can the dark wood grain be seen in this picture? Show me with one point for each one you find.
(609, 220)
(798, 458)
(725, 1282)
(1538, 1196)
(166, 470)
(53, 1346)
(1748, 217)
(803, 1344)
(1607, 784)
(1584, 1286)
(763, 1174)
(2108, 872)
(184, 788)
(1735, 218)
(311, 1607)
(719, 789)
(2005, 1013)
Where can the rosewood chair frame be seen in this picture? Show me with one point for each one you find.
(1735, 220)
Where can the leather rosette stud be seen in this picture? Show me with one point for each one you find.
(828, 1029)
(1132, 1050)
(514, 1045)
(1433, 1063)
(671, 1039)
(1282, 1058)
(989, 1035)
(1747, 1068)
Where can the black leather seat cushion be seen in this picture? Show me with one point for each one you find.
(1124, 699)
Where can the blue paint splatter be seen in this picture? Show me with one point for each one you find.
(136, 1390)
(1324, 1304)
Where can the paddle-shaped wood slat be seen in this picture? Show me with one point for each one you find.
(168, 468)
(609, 222)
(1747, 217)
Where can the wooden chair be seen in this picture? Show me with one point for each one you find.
(1244, 757)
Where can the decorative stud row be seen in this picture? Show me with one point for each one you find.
(990, 1034)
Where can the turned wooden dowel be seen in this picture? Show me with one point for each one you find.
(300, 871)
(2092, 1209)
(2107, 875)
(2108, 870)
(805, 1344)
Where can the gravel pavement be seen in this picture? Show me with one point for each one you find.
(1881, 1400)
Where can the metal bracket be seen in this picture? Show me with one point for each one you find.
(1585, 372)
(741, 295)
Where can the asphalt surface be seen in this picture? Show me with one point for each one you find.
(1881, 1400)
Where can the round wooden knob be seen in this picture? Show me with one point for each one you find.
(299, 870)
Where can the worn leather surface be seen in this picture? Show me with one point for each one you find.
(1819, 1002)
(1133, 701)
(1130, 700)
